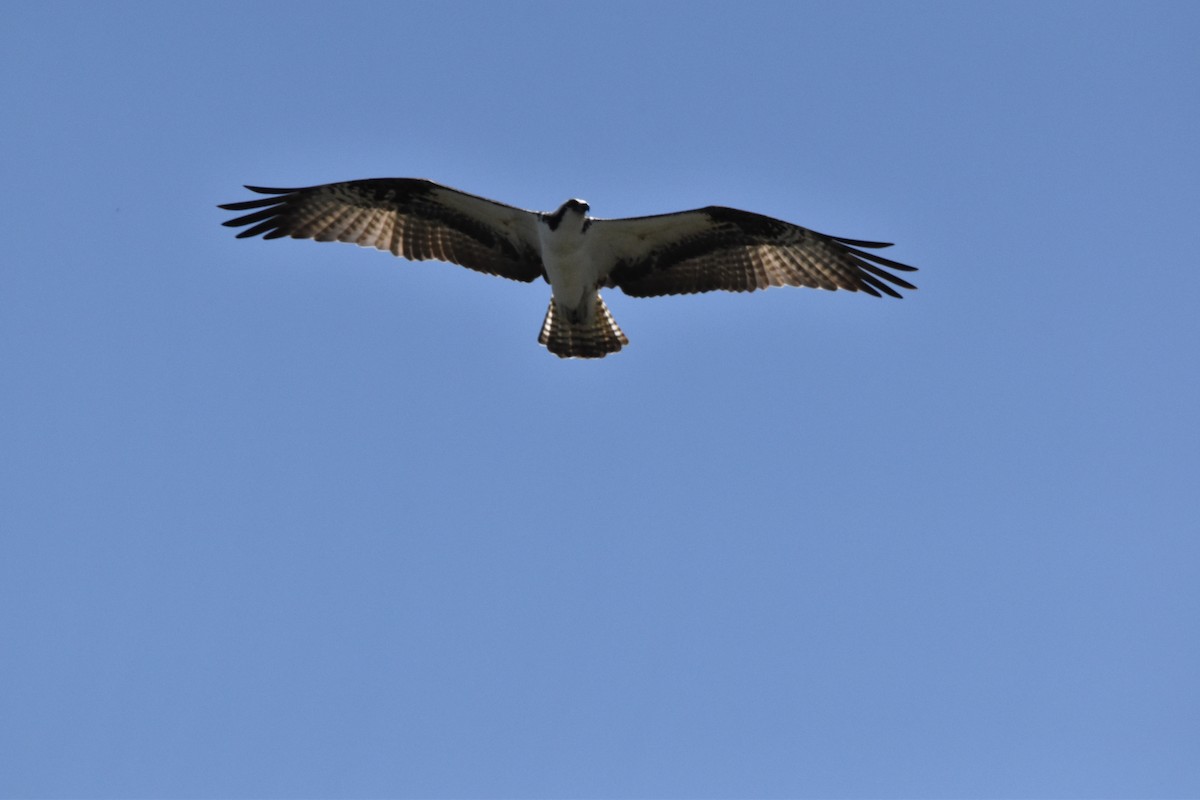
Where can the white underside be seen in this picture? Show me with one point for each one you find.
(570, 264)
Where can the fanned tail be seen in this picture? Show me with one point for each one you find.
(594, 336)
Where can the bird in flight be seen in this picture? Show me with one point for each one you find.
(703, 250)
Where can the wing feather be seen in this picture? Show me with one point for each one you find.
(725, 249)
(409, 217)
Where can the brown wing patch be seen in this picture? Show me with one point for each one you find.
(742, 252)
(402, 215)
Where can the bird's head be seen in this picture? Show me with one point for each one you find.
(573, 207)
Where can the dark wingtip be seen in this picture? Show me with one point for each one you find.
(267, 190)
(887, 276)
(863, 243)
(887, 262)
(242, 205)
(866, 281)
(865, 287)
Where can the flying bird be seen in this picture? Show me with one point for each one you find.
(703, 250)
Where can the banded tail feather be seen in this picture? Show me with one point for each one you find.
(590, 335)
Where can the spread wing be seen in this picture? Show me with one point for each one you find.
(718, 248)
(413, 218)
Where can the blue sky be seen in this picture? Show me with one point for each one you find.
(282, 519)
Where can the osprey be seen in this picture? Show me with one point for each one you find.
(689, 251)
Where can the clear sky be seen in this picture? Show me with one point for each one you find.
(285, 519)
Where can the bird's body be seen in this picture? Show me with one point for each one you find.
(569, 260)
(707, 249)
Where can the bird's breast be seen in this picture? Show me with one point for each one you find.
(569, 266)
